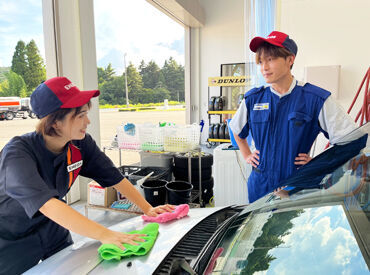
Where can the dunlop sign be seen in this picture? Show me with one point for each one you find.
(228, 81)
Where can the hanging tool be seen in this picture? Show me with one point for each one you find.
(141, 181)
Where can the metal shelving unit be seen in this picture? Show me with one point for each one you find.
(231, 112)
(134, 209)
(225, 81)
(194, 194)
(131, 210)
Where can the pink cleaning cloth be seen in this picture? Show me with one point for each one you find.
(180, 211)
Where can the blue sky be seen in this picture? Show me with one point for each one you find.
(123, 26)
(19, 20)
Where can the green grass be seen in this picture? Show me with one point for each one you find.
(148, 109)
(140, 105)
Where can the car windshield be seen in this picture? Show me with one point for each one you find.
(324, 230)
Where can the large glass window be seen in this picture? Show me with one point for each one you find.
(140, 58)
(22, 65)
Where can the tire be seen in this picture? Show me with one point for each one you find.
(9, 115)
(181, 161)
(182, 174)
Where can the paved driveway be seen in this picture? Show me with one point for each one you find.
(109, 120)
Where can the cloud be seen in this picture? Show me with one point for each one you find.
(132, 27)
(321, 241)
(139, 29)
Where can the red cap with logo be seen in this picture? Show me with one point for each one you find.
(58, 93)
(276, 38)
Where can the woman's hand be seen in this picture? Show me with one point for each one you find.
(154, 211)
(118, 238)
(253, 159)
(302, 159)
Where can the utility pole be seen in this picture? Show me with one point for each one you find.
(124, 61)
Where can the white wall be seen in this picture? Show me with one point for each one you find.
(330, 32)
(220, 41)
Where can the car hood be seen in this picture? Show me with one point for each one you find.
(83, 258)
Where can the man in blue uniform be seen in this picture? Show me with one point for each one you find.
(36, 172)
(284, 118)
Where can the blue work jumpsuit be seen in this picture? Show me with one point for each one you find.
(281, 129)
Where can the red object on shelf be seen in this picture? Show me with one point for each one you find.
(365, 109)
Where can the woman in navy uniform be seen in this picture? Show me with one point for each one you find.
(36, 172)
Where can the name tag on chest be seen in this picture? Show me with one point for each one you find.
(261, 106)
(74, 166)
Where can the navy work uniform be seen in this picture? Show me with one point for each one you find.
(282, 126)
(30, 175)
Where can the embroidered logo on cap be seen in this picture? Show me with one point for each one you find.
(261, 106)
(69, 86)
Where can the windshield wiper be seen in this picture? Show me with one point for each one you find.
(179, 265)
(202, 261)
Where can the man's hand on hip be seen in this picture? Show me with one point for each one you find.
(302, 159)
(253, 158)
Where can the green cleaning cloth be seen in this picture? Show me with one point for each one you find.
(111, 251)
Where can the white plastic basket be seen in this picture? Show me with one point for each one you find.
(181, 138)
(128, 139)
(151, 137)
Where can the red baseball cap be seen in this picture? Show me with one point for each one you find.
(276, 38)
(58, 93)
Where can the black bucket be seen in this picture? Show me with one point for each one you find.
(179, 192)
(155, 191)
